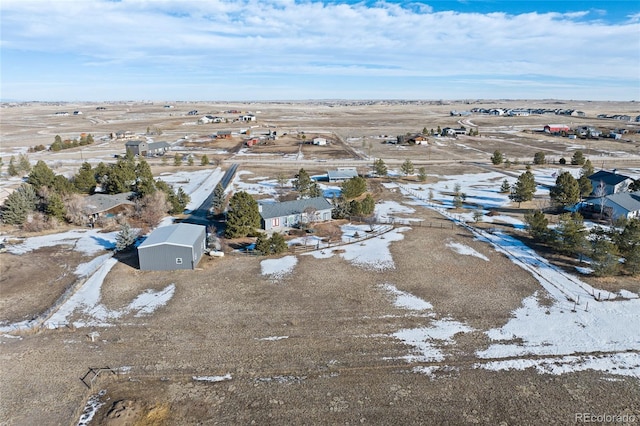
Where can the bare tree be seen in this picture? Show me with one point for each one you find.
(601, 193)
(75, 209)
(152, 208)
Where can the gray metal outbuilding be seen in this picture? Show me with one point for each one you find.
(178, 246)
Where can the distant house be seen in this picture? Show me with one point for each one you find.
(137, 147)
(193, 112)
(341, 174)
(210, 119)
(123, 134)
(223, 134)
(61, 113)
(77, 112)
(611, 182)
(620, 205)
(99, 205)
(247, 117)
(587, 132)
(496, 111)
(556, 128)
(292, 213)
(172, 247)
(319, 141)
(251, 142)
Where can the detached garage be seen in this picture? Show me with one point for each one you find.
(178, 246)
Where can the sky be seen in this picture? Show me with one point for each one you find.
(257, 50)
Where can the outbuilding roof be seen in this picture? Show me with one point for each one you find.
(179, 234)
(341, 174)
(607, 177)
(629, 201)
(286, 208)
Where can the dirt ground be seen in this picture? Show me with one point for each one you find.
(310, 348)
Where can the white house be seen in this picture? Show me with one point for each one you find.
(622, 204)
(319, 141)
(606, 183)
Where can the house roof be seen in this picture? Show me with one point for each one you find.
(98, 203)
(159, 145)
(608, 178)
(179, 234)
(286, 208)
(629, 201)
(341, 174)
(134, 143)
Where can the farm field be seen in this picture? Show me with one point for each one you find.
(437, 320)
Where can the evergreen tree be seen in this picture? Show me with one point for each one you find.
(85, 179)
(144, 179)
(41, 175)
(354, 187)
(19, 204)
(505, 188)
(12, 169)
(635, 185)
(380, 167)
(407, 167)
(367, 205)
(497, 158)
(204, 160)
(57, 144)
(604, 256)
(177, 160)
(277, 243)
(628, 243)
(303, 183)
(263, 245)
(571, 234)
(537, 224)
(355, 208)
(585, 186)
(578, 158)
(55, 207)
(538, 158)
(524, 188)
(23, 163)
(218, 199)
(422, 174)
(190, 160)
(315, 190)
(587, 169)
(566, 191)
(243, 217)
(121, 177)
(126, 237)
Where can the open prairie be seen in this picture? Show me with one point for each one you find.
(331, 339)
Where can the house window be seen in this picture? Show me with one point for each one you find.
(275, 222)
(178, 261)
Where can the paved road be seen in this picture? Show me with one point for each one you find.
(199, 215)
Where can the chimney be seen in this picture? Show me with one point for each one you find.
(259, 208)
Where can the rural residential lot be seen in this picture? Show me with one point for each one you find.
(442, 317)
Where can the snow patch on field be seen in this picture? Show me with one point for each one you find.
(406, 300)
(428, 341)
(87, 242)
(278, 268)
(213, 379)
(466, 250)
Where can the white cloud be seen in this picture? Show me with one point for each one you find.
(312, 38)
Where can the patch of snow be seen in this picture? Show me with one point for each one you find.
(624, 364)
(466, 250)
(88, 268)
(91, 408)
(212, 378)
(278, 268)
(406, 300)
(427, 341)
(584, 270)
(273, 338)
(198, 184)
(86, 241)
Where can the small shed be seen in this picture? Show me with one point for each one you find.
(341, 174)
(178, 246)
